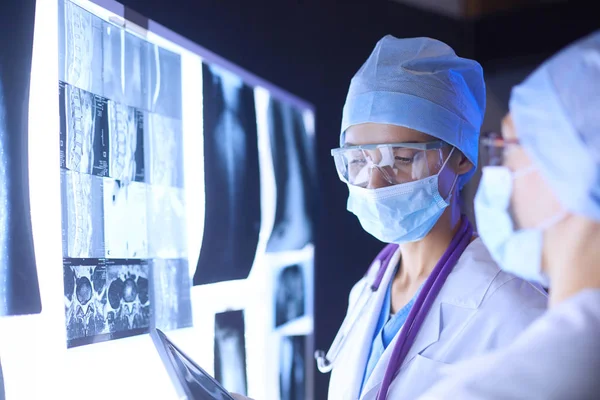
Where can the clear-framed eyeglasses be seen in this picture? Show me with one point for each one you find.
(495, 148)
(395, 162)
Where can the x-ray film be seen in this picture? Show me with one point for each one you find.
(85, 141)
(292, 367)
(230, 351)
(164, 150)
(82, 215)
(126, 127)
(171, 299)
(125, 67)
(232, 179)
(80, 48)
(291, 149)
(105, 300)
(125, 219)
(290, 295)
(164, 84)
(166, 222)
(19, 291)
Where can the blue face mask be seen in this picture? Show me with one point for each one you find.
(400, 213)
(516, 251)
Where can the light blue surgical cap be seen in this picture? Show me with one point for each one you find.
(556, 114)
(420, 83)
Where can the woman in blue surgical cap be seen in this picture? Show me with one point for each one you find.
(539, 213)
(433, 296)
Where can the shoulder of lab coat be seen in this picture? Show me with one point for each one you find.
(557, 357)
(479, 308)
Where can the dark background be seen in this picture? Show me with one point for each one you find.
(313, 49)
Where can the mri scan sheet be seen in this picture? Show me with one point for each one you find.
(164, 151)
(170, 293)
(84, 143)
(105, 300)
(232, 179)
(290, 295)
(125, 219)
(164, 82)
(292, 367)
(82, 215)
(295, 182)
(166, 222)
(126, 142)
(230, 351)
(19, 291)
(80, 47)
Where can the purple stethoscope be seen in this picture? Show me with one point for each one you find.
(423, 303)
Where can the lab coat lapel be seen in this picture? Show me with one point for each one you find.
(357, 348)
(428, 334)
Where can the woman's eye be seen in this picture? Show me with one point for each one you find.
(404, 160)
(358, 161)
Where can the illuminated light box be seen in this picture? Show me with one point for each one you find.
(139, 138)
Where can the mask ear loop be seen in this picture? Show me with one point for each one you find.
(447, 200)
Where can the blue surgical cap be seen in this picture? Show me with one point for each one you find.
(420, 83)
(556, 114)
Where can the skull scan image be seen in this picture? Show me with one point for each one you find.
(289, 295)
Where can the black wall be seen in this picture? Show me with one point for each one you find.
(312, 50)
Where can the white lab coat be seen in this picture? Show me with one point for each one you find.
(479, 308)
(557, 357)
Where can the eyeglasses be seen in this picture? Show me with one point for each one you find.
(495, 148)
(394, 162)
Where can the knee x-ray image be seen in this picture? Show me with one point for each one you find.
(291, 151)
(232, 179)
(289, 295)
(84, 143)
(230, 351)
(80, 47)
(171, 299)
(19, 291)
(105, 301)
(292, 367)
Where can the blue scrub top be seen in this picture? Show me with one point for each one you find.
(387, 328)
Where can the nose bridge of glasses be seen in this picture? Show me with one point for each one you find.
(379, 177)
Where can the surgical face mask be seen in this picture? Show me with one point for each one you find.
(516, 251)
(400, 213)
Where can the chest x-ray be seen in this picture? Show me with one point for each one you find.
(230, 351)
(292, 367)
(291, 150)
(232, 179)
(19, 291)
(290, 295)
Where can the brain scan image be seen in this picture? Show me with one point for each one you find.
(105, 301)
(165, 151)
(171, 298)
(125, 219)
(80, 48)
(82, 215)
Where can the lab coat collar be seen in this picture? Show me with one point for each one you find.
(465, 287)
(356, 350)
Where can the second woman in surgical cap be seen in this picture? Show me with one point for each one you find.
(409, 143)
